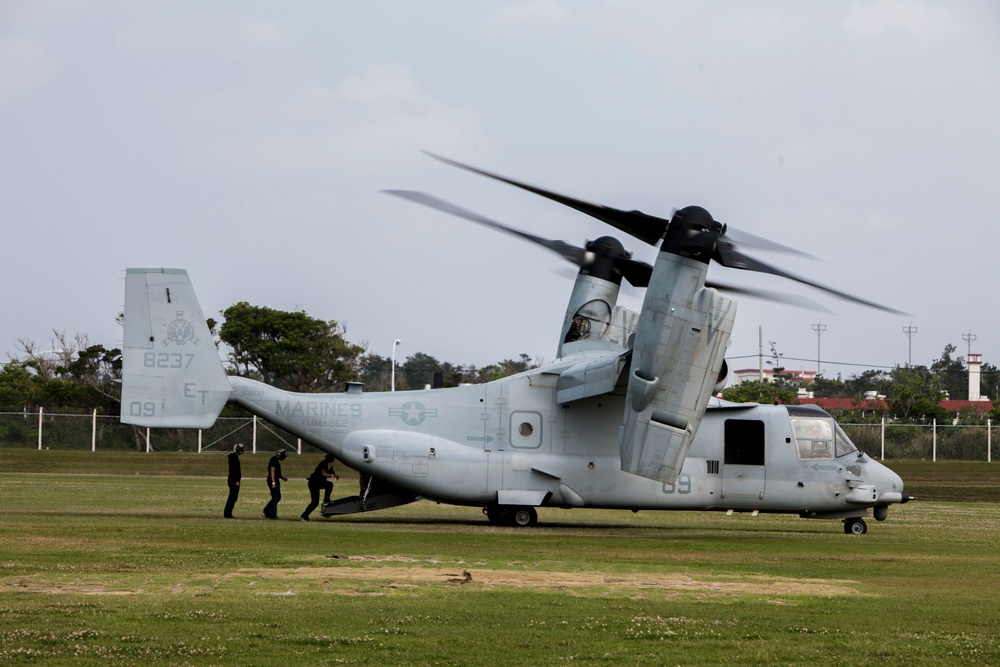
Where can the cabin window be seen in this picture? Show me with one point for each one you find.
(744, 442)
(525, 429)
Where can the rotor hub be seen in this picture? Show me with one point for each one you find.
(693, 233)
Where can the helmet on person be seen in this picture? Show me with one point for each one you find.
(329, 458)
(282, 454)
(239, 448)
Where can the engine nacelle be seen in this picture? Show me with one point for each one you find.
(679, 352)
(720, 384)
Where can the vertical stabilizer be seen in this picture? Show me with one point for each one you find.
(171, 373)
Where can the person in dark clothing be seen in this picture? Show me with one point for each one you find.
(274, 480)
(235, 475)
(320, 480)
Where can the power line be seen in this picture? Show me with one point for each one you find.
(848, 363)
(833, 363)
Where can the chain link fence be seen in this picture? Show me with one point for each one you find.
(93, 431)
(82, 431)
(932, 441)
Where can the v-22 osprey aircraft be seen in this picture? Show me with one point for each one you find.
(624, 418)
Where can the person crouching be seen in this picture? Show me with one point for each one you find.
(319, 480)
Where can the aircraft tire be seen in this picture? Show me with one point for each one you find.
(855, 526)
(523, 516)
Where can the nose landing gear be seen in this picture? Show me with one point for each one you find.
(855, 526)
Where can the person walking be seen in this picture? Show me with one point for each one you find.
(320, 480)
(274, 480)
(235, 475)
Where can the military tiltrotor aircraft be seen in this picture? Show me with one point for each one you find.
(624, 418)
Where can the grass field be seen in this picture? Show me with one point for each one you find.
(123, 559)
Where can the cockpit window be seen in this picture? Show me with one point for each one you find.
(844, 444)
(813, 438)
(817, 438)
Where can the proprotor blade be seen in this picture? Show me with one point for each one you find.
(727, 255)
(648, 228)
(569, 252)
(636, 272)
(754, 241)
(768, 295)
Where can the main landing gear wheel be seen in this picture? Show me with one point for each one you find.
(523, 516)
(855, 526)
(510, 515)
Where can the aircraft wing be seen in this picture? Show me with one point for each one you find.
(715, 403)
(603, 375)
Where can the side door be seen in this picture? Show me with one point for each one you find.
(744, 475)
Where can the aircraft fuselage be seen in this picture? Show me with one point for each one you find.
(510, 443)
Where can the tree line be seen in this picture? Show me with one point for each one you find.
(287, 349)
(294, 351)
(911, 393)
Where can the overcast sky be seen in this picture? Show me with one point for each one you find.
(248, 141)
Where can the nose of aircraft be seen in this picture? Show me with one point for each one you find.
(889, 485)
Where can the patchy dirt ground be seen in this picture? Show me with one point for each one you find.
(389, 572)
(368, 575)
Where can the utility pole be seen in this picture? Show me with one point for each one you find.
(819, 329)
(909, 330)
(760, 353)
(394, 345)
(969, 339)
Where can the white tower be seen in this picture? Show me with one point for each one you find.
(975, 364)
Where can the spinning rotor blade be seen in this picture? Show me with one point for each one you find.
(634, 271)
(727, 255)
(648, 228)
(767, 295)
(645, 227)
(569, 252)
(689, 227)
(754, 241)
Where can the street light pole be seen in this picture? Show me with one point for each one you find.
(394, 344)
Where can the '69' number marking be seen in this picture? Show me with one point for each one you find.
(683, 485)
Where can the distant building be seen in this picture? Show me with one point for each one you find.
(870, 405)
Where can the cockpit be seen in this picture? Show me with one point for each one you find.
(820, 438)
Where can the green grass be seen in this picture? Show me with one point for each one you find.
(100, 565)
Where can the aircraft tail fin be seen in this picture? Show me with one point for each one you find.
(171, 373)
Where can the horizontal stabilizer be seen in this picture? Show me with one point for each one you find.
(171, 373)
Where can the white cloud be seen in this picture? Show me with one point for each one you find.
(371, 120)
(534, 15)
(25, 64)
(380, 82)
(870, 19)
(264, 33)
